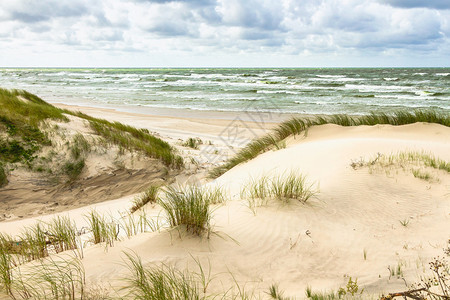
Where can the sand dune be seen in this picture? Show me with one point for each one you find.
(353, 227)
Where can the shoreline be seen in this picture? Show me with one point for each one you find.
(187, 113)
(182, 124)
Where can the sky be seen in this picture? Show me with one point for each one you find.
(224, 33)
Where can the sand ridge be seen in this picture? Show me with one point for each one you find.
(352, 228)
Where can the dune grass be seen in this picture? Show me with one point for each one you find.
(62, 232)
(292, 186)
(297, 126)
(103, 230)
(283, 187)
(190, 207)
(133, 224)
(6, 266)
(160, 282)
(423, 158)
(33, 242)
(321, 295)
(256, 189)
(415, 162)
(276, 294)
(150, 195)
(60, 278)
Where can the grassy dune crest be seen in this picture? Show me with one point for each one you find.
(21, 113)
(23, 134)
(132, 138)
(297, 126)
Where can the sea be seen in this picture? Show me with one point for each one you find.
(354, 91)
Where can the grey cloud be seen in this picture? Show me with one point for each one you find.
(169, 29)
(352, 23)
(209, 14)
(257, 14)
(251, 34)
(423, 37)
(109, 36)
(437, 4)
(38, 11)
(101, 21)
(192, 2)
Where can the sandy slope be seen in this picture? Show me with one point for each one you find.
(319, 243)
(109, 173)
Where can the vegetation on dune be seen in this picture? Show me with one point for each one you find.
(103, 230)
(297, 126)
(74, 169)
(283, 188)
(133, 138)
(292, 186)
(150, 195)
(193, 143)
(3, 176)
(190, 207)
(62, 276)
(22, 136)
(20, 116)
(410, 161)
(160, 283)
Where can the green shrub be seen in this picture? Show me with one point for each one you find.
(74, 169)
(193, 143)
(3, 176)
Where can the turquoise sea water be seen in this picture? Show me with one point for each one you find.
(311, 91)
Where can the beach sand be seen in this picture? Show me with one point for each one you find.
(351, 228)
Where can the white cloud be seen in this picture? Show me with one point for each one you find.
(287, 30)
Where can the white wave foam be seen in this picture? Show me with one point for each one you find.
(331, 76)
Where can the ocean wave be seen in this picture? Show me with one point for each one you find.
(425, 93)
(329, 84)
(442, 74)
(361, 96)
(390, 78)
(379, 88)
(331, 76)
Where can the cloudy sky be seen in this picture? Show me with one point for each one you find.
(224, 33)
